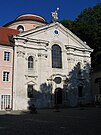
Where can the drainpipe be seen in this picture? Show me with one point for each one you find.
(12, 78)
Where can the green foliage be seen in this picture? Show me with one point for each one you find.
(67, 23)
(87, 26)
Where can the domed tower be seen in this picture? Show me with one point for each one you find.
(26, 22)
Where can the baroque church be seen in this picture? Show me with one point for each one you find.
(51, 65)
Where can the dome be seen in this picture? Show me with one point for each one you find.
(30, 17)
(26, 22)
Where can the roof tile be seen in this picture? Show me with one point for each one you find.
(5, 34)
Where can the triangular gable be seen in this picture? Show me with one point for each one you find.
(31, 83)
(73, 40)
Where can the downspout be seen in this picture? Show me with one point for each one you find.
(12, 78)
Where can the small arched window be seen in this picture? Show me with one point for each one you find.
(56, 56)
(30, 62)
(20, 28)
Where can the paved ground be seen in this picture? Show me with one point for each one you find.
(71, 121)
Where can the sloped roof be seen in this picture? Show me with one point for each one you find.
(5, 35)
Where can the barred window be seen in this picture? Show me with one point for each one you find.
(5, 76)
(5, 102)
(6, 56)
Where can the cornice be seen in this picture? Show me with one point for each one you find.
(26, 39)
(78, 48)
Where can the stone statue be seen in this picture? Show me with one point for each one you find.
(55, 15)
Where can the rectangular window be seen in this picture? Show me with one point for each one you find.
(6, 76)
(30, 91)
(6, 56)
(5, 102)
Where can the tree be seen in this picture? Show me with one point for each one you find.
(87, 26)
(68, 24)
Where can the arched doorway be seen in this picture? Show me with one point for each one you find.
(58, 96)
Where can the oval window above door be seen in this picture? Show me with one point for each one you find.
(57, 80)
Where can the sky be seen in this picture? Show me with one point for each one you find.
(68, 9)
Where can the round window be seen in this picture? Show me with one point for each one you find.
(20, 28)
(56, 31)
(57, 80)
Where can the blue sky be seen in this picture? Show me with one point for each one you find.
(68, 9)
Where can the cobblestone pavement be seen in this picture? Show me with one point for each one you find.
(70, 121)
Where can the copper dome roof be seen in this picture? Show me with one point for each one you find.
(30, 17)
(27, 17)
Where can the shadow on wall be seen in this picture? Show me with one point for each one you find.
(79, 89)
(42, 98)
(76, 88)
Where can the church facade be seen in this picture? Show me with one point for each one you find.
(51, 65)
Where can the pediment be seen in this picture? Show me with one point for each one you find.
(55, 32)
(31, 83)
